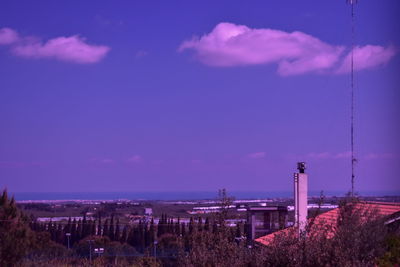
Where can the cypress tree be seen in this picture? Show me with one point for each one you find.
(42, 227)
(106, 229)
(191, 225)
(246, 230)
(215, 227)
(112, 229)
(141, 238)
(232, 233)
(207, 224)
(183, 229)
(160, 226)
(200, 224)
(68, 227)
(124, 236)
(178, 227)
(92, 227)
(131, 236)
(51, 230)
(84, 227)
(60, 234)
(152, 231)
(33, 224)
(99, 227)
(79, 230)
(170, 226)
(238, 230)
(117, 235)
(74, 237)
(147, 236)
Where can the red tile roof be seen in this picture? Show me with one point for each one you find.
(380, 209)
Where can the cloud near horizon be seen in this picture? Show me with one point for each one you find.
(373, 156)
(8, 36)
(22, 164)
(257, 155)
(347, 155)
(105, 161)
(295, 53)
(329, 155)
(70, 49)
(135, 159)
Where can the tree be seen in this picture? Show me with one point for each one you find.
(85, 230)
(124, 236)
(117, 234)
(74, 235)
(200, 224)
(183, 229)
(191, 225)
(92, 227)
(207, 224)
(152, 231)
(15, 235)
(225, 202)
(112, 229)
(79, 230)
(141, 236)
(106, 229)
(208, 249)
(99, 226)
(177, 227)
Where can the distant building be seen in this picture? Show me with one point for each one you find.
(148, 211)
(265, 220)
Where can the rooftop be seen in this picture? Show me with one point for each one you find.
(377, 209)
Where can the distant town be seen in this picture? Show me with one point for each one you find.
(133, 211)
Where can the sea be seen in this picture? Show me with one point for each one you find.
(183, 195)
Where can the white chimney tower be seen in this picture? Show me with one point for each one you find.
(300, 198)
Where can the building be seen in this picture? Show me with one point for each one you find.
(390, 212)
(266, 220)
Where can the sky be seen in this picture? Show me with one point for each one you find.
(99, 96)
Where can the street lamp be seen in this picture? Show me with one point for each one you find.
(99, 251)
(68, 236)
(155, 249)
(90, 249)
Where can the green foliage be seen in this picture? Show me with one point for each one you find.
(15, 235)
(360, 238)
(147, 262)
(208, 249)
(356, 240)
(392, 254)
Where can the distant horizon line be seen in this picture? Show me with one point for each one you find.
(199, 191)
(184, 195)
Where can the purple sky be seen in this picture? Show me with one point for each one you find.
(196, 95)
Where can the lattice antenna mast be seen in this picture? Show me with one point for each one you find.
(353, 159)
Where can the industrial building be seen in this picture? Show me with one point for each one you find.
(273, 220)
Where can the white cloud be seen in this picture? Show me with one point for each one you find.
(135, 159)
(8, 36)
(257, 155)
(295, 52)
